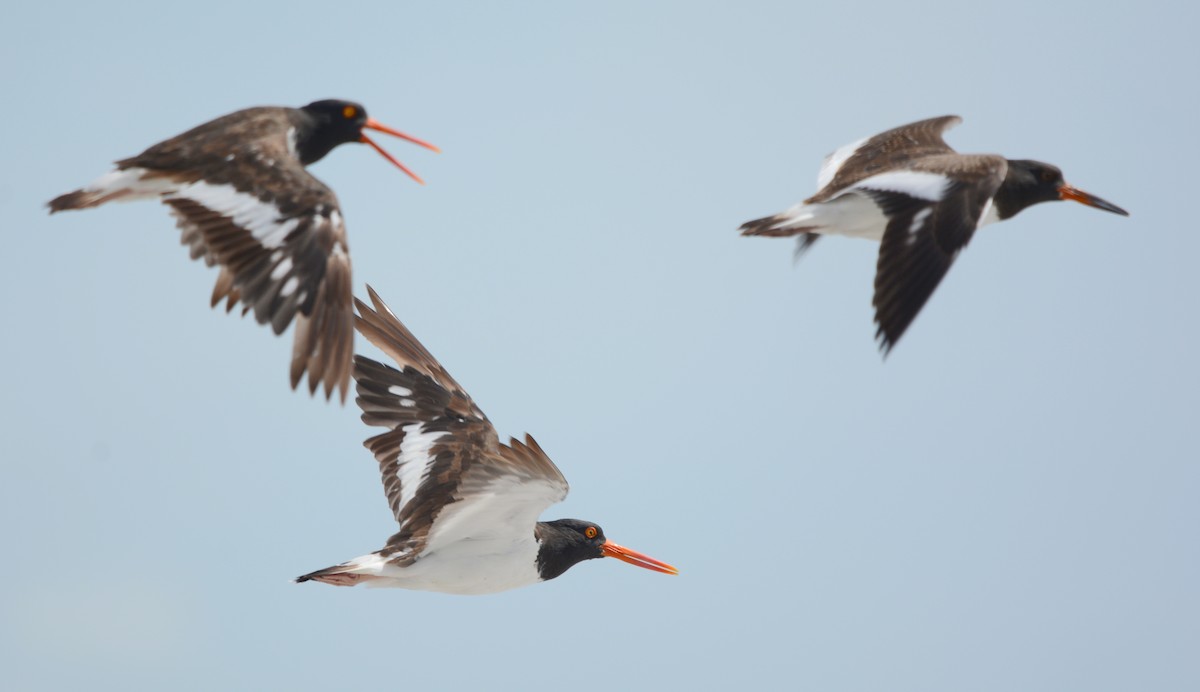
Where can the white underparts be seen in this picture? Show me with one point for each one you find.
(851, 214)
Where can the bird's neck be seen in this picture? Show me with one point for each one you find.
(558, 550)
(1019, 191)
(310, 144)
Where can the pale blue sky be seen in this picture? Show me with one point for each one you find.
(1008, 503)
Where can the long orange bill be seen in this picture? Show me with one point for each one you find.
(1077, 195)
(633, 557)
(374, 124)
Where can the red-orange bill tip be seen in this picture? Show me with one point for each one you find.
(1077, 195)
(408, 171)
(374, 124)
(633, 557)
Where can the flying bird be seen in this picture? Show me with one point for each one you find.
(467, 504)
(923, 201)
(240, 194)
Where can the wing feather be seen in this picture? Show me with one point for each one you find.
(885, 151)
(922, 239)
(245, 203)
(446, 475)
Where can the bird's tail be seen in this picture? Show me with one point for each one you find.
(119, 185)
(79, 199)
(332, 575)
(797, 221)
(360, 570)
(789, 223)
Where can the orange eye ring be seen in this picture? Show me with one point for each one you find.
(349, 112)
(590, 532)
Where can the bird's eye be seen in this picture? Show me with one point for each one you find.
(1048, 176)
(349, 112)
(590, 532)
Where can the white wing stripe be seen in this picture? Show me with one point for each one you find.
(260, 218)
(918, 184)
(415, 460)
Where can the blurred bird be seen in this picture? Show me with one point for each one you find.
(240, 194)
(923, 201)
(467, 504)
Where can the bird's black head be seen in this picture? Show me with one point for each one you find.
(332, 122)
(1030, 182)
(563, 543)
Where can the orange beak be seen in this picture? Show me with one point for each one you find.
(1077, 195)
(374, 124)
(633, 557)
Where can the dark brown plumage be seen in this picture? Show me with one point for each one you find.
(923, 201)
(243, 201)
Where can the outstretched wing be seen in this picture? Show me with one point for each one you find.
(924, 235)
(885, 151)
(446, 475)
(244, 202)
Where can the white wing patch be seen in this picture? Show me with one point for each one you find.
(916, 184)
(281, 270)
(260, 218)
(415, 460)
(918, 222)
(289, 287)
(833, 163)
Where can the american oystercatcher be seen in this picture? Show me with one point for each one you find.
(467, 504)
(240, 194)
(923, 201)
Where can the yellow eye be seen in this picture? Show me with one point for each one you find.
(349, 112)
(590, 532)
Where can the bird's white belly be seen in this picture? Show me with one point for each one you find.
(851, 214)
(466, 567)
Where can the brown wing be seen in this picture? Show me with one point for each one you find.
(245, 203)
(441, 458)
(922, 239)
(381, 327)
(883, 152)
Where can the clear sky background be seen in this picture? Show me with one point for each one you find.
(1009, 502)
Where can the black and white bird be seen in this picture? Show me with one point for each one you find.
(239, 191)
(923, 201)
(467, 504)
